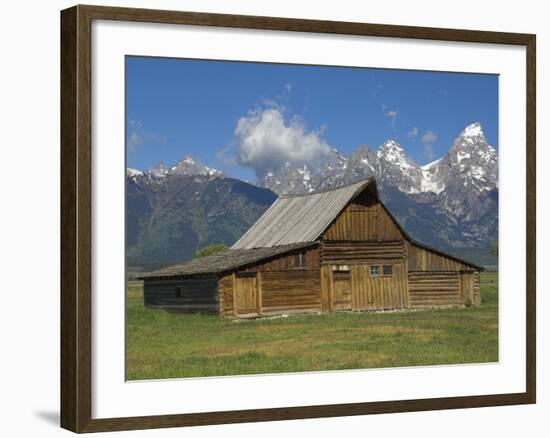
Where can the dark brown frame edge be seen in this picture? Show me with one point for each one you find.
(76, 340)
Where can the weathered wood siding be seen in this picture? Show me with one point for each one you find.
(376, 293)
(196, 294)
(367, 292)
(477, 291)
(290, 292)
(326, 288)
(293, 291)
(225, 287)
(344, 253)
(421, 259)
(365, 219)
(245, 294)
(427, 289)
(341, 290)
(289, 261)
(467, 287)
(284, 284)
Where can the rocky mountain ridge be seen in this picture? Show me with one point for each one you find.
(450, 203)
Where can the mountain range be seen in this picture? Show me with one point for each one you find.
(450, 203)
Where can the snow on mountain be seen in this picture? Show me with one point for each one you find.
(291, 179)
(431, 182)
(159, 171)
(398, 169)
(471, 162)
(461, 187)
(458, 191)
(186, 166)
(131, 172)
(472, 131)
(430, 165)
(392, 152)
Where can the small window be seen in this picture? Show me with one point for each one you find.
(375, 271)
(387, 270)
(178, 292)
(300, 260)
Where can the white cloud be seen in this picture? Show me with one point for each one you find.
(265, 141)
(429, 138)
(138, 136)
(413, 133)
(288, 87)
(391, 114)
(134, 140)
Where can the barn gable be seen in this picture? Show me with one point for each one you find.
(364, 219)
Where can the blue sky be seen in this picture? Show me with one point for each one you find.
(243, 117)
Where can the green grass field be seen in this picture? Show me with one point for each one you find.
(163, 345)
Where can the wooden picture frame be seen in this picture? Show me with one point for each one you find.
(76, 218)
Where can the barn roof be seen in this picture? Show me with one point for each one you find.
(299, 218)
(224, 261)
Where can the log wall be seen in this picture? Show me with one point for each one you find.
(326, 288)
(197, 294)
(367, 292)
(421, 259)
(427, 289)
(277, 292)
(477, 288)
(343, 253)
(289, 261)
(225, 288)
(290, 292)
(467, 287)
(378, 293)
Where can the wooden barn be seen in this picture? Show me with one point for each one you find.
(337, 250)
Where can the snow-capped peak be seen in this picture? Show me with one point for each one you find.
(160, 170)
(392, 152)
(391, 144)
(473, 130)
(133, 172)
(186, 166)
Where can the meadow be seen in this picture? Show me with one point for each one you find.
(162, 345)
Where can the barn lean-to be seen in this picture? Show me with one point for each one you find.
(338, 250)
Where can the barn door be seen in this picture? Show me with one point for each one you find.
(246, 294)
(341, 290)
(467, 287)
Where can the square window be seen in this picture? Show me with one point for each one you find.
(375, 271)
(387, 270)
